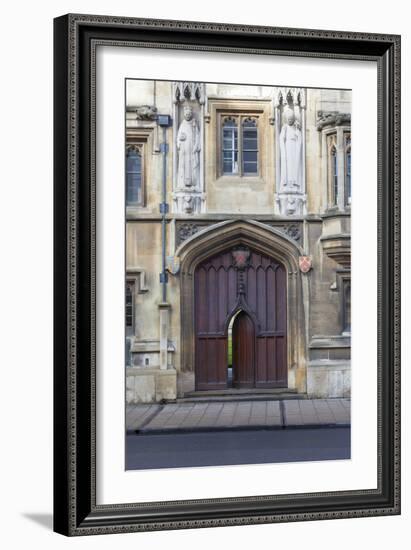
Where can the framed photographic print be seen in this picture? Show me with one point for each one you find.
(227, 292)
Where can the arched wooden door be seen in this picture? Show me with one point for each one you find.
(245, 279)
(243, 338)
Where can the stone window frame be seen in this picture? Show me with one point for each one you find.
(347, 150)
(131, 287)
(136, 277)
(139, 149)
(332, 157)
(129, 330)
(139, 138)
(343, 278)
(246, 108)
(346, 324)
(239, 119)
(335, 136)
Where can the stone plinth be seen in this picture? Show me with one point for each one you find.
(328, 379)
(150, 385)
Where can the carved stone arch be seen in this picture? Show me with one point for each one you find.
(267, 240)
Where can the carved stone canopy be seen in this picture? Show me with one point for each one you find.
(332, 118)
(290, 97)
(190, 91)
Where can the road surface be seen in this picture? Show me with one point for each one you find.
(178, 450)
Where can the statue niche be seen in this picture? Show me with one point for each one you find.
(290, 154)
(188, 150)
(290, 198)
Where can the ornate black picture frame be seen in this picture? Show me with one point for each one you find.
(75, 41)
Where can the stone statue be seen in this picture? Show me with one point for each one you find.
(291, 154)
(188, 147)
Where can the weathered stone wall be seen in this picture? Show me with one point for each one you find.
(321, 233)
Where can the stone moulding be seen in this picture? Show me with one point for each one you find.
(138, 276)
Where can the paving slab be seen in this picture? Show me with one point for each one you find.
(138, 415)
(188, 417)
(215, 416)
(317, 412)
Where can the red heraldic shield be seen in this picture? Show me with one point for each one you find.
(305, 263)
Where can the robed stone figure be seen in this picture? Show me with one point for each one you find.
(291, 154)
(188, 147)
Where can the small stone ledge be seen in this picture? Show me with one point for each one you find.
(329, 364)
(332, 342)
(145, 346)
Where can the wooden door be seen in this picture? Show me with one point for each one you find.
(215, 283)
(259, 290)
(243, 336)
(266, 296)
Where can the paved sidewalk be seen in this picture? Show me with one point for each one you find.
(231, 415)
(315, 412)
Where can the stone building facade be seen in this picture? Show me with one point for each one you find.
(238, 203)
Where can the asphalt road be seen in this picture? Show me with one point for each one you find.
(182, 450)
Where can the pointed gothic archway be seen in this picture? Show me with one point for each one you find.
(244, 358)
(274, 248)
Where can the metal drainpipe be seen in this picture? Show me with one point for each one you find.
(165, 122)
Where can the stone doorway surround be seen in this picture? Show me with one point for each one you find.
(267, 240)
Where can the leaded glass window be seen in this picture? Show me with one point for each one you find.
(346, 305)
(129, 305)
(239, 145)
(250, 147)
(134, 176)
(348, 168)
(334, 175)
(230, 146)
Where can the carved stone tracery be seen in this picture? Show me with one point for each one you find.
(186, 230)
(292, 231)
